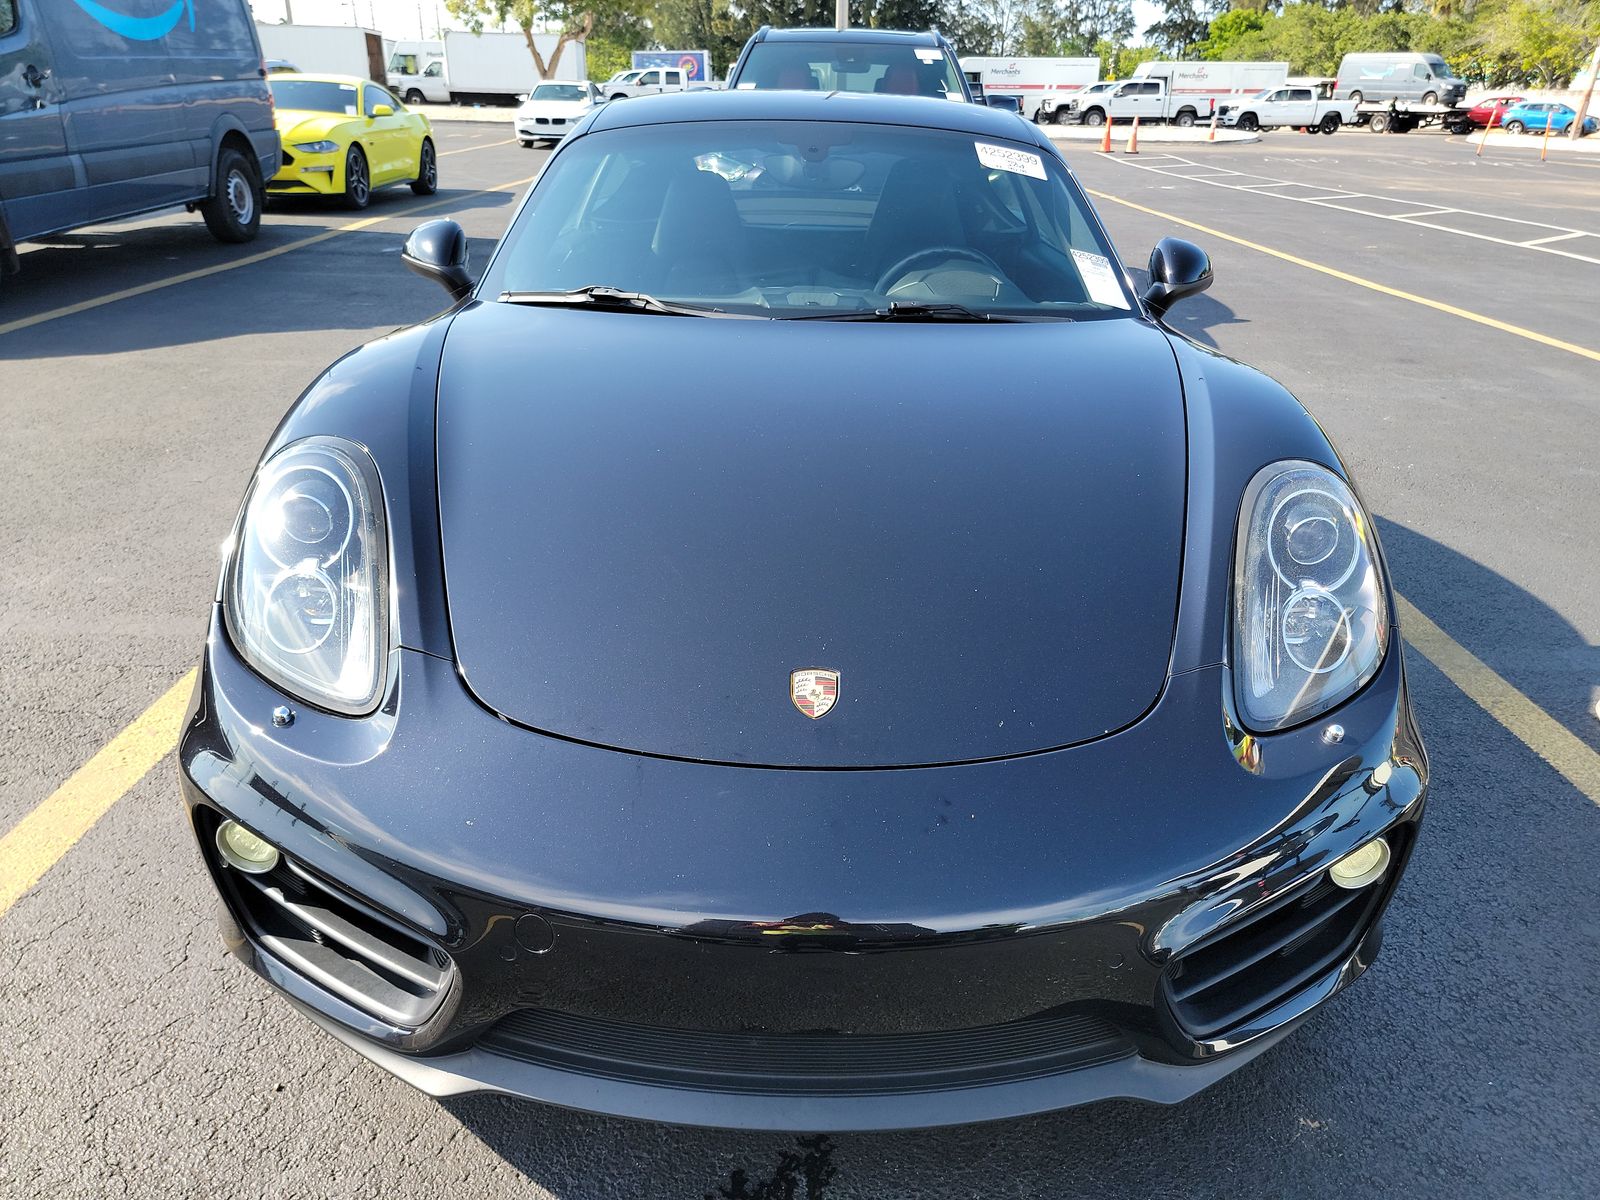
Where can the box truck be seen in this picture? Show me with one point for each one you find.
(325, 49)
(469, 68)
(1030, 79)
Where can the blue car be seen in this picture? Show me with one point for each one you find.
(1532, 116)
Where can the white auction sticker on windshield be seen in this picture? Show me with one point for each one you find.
(928, 54)
(1003, 158)
(1099, 280)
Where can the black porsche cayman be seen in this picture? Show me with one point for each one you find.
(799, 644)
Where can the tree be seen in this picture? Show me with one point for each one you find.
(1075, 27)
(1182, 28)
(576, 24)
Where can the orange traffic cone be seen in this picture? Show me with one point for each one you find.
(1105, 142)
(1212, 136)
(1133, 138)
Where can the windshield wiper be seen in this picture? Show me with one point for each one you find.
(599, 296)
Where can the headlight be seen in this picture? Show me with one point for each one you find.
(1310, 622)
(322, 147)
(307, 597)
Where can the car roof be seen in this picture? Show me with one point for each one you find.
(773, 105)
(563, 82)
(906, 37)
(316, 77)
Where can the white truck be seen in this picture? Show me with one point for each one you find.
(1031, 79)
(646, 81)
(1292, 106)
(324, 49)
(1061, 108)
(466, 68)
(1180, 92)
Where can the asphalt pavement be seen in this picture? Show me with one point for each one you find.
(1457, 368)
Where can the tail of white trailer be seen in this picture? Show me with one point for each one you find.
(1030, 80)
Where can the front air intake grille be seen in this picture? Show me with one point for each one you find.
(1269, 955)
(341, 944)
(833, 1064)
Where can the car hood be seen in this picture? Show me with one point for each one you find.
(649, 522)
(301, 125)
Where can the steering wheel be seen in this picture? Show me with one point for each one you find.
(902, 268)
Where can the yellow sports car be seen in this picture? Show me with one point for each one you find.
(344, 136)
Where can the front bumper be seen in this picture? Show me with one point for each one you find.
(545, 128)
(799, 950)
(309, 174)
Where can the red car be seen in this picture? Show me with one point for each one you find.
(1491, 110)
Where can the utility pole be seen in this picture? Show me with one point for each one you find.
(841, 14)
(288, 12)
(1588, 93)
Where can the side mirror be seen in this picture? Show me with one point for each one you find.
(382, 110)
(437, 250)
(1177, 269)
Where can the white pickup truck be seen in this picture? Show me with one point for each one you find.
(1147, 99)
(1295, 107)
(1057, 107)
(645, 81)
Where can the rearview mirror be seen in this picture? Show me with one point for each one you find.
(437, 250)
(1177, 269)
(382, 110)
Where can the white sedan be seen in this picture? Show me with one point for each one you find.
(553, 108)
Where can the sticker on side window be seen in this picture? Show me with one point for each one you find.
(1003, 158)
(1099, 280)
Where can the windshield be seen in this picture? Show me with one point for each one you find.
(893, 67)
(310, 95)
(784, 218)
(558, 91)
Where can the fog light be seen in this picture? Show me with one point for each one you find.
(1361, 867)
(244, 851)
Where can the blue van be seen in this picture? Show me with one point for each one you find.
(109, 108)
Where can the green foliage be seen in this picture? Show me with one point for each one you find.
(1499, 43)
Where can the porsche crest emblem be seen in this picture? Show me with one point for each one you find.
(814, 691)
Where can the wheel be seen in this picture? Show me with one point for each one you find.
(1095, 117)
(357, 181)
(427, 181)
(527, 143)
(1515, 127)
(1356, 97)
(619, 95)
(1185, 119)
(1379, 123)
(1061, 116)
(1248, 123)
(1430, 97)
(234, 213)
(415, 97)
(1330, 123)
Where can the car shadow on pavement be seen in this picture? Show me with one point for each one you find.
(1195, 316)
(1453, 1068)
(306, 288)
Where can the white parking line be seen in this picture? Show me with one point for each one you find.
(1263, 185)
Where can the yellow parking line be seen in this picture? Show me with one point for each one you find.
(38, 841)
(1441, 306)
(157, 285)
(1531, 725)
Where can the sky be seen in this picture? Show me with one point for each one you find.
(404, 18)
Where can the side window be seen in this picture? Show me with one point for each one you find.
(371, 97)
(675, 77)
(1421, 72)
(435, 69)
(1150, 89)
(1303, 94)
(8, 16)
(650, 78)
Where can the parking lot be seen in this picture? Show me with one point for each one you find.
(1437, 312)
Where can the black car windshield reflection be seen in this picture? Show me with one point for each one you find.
(779, 219)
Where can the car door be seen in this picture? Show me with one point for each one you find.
(673, 81)
(388, 140)
(1299, 106)
(1149, 100)
(36, 180)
